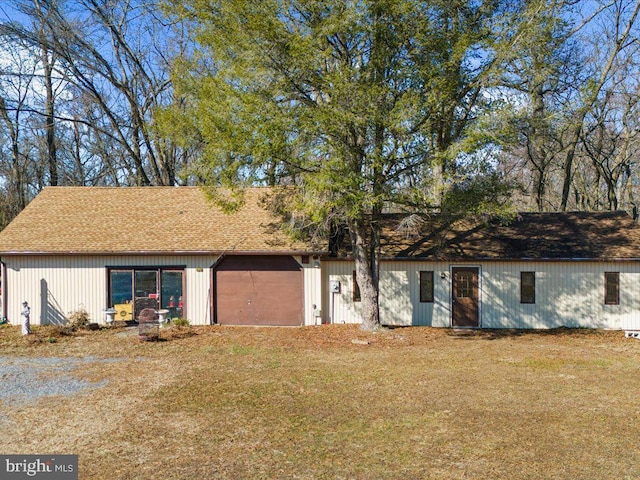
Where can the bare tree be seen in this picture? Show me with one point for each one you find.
(621, 38)
(113, 58)
(17, 75)
(562, 77)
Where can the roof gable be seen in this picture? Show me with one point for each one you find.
(94, 220)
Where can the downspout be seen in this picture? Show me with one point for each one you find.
(212, 290)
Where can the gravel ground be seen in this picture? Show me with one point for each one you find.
(25, 380)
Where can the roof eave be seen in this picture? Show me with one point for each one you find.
(493, 259)
(34, 253)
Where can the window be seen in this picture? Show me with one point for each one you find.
(527, 287)
(426, 286)
(464, 284)
(611, 288)
(356, 288)
(133, 289)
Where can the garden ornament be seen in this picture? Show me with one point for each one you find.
(26, 320)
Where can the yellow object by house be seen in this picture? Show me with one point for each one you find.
(124, 311)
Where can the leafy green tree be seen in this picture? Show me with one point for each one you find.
(362, 105)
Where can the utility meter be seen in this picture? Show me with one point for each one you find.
(334, 286)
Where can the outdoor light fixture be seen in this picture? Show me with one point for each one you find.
(443, 275)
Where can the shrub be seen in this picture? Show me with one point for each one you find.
(78, 319)
(180, 322)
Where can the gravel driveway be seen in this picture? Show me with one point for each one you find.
(26, 379)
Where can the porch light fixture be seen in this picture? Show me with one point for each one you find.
(443, 275)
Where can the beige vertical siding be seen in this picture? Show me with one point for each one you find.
(399, 294)
(312, 292)
(567, 294)
(339, 307)
(57, 285)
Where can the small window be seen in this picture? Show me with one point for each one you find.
(426, 286)
(356, 288)
(611, 288)
(464, 284)
(527, 287)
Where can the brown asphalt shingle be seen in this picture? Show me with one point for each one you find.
(95, 220)
(536, 236)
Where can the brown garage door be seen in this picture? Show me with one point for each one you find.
(259, 290)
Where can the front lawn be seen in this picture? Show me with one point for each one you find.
(309, 403)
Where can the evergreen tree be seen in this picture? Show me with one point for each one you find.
(360, 104)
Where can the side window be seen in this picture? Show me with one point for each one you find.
(612, 288)
(356, 288)
(527, 287)
(426, 286)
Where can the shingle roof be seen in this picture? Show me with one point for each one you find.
(538, 236)
(93, 220)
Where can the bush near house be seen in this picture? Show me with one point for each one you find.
(79, 318)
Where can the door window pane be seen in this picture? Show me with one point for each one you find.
(121, 287)
(146, 283)
(146, 290)
(464, 285)
(172, 295)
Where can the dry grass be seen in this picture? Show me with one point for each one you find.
(307, 403)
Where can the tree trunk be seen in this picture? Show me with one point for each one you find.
(568, 162)
(366, 266)
(540, 188)
(16, 168)
(536, 145)
(630, 198)
(47, 67)
(52, 160)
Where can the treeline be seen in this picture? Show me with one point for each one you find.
(82, 84)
